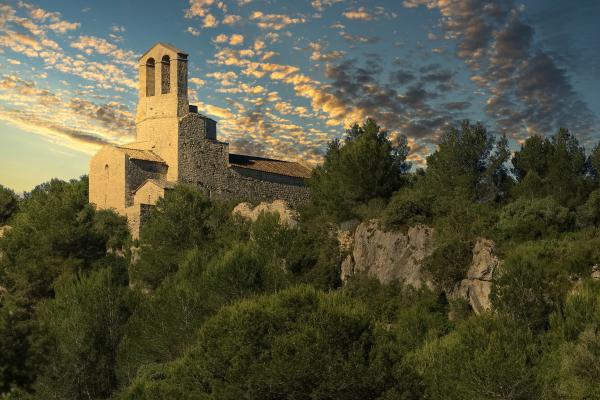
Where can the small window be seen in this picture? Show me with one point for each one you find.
(165, 75)
(150, 77)
(106, 171)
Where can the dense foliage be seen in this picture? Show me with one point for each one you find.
(207, 305)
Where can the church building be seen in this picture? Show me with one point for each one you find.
(176, 144)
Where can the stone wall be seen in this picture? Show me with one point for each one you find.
(137, 172)
(205, 163)
(137, 215)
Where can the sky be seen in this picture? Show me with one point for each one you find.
(282, 78)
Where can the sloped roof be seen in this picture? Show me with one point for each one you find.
(167, 45)
(287, 168)
(141, 154)
(160, 183)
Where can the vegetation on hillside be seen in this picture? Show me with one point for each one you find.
(216, 307)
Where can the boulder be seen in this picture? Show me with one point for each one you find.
(287, 216)
(388, 255)
(476, 288)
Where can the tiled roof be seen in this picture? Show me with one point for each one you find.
(141, 154)
(279, 167)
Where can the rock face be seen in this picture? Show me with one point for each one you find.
(287, 216)
(595, 272)
(4, 230)
(388, 256)
(478, 285)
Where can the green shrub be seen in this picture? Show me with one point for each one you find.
(449, 262)
(529, 287)
(530, 219)
(408, 207)
(486, 357)
(296, 344)
(589, 213)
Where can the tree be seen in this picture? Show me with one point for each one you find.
(55, 233)
(364, 166)
(182, 220)
(469, 164)
(559, 164)
(85, 323)
(8, 204)
(165, 324)
(296, 344)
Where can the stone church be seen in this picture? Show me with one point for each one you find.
(176, 144)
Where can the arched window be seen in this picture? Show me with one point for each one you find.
(165, 75)
(106, 171)
(150, 77)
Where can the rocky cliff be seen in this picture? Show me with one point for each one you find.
(287, 215)
(392, 255)
(388, 256)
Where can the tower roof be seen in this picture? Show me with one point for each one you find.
(163, 44)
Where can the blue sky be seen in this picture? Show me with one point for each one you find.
(284, 77)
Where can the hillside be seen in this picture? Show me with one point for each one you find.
(474, 278)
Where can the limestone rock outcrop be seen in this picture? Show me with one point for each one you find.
(4, 230)
(287, 216)
(595, 275)
(476, 288)
(388, 255)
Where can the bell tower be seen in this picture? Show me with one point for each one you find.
(163, 100)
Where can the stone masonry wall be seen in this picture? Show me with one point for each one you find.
(204, 163)
(137, 172)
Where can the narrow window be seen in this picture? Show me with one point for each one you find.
(150, 77)
(165, 75)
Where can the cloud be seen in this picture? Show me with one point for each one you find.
(236, 39)
(274, 21)
(359, 14)
(74, 122)
(64, 26)
(220, 38)
(198, 8)
(193, 31)
(198, 81)
(319, 55)
(528, 90)
(322, 4)
(231, 19)
(209, 21)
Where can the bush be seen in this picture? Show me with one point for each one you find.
(529, 287)
(529, 219)
(589, 213)
(165, 324)
(408, 207)
(486, 357)
(85, 324)
(298, 343)
(182, 220)
(449, 262)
